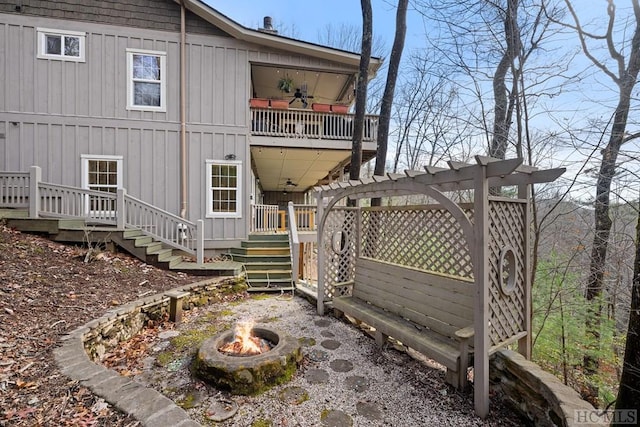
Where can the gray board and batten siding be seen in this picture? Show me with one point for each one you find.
(52, 112)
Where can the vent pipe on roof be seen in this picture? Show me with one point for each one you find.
(267, 26)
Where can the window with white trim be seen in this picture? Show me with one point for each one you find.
(146, 80)
(62, 45)
(224, 191)
(101, 173)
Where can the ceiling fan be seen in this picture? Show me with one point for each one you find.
(301, 94)
(290, 183)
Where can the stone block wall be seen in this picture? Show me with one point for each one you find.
(536, 394)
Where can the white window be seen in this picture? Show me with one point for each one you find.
(146, 80)
(101, 173)
(61, 45)
(224, 195)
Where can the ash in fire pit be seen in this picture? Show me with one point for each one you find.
(224, 362)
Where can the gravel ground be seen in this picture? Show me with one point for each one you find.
(384, 387)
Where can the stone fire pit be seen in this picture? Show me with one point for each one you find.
(248, 375)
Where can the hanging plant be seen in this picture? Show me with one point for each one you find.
(285, 84)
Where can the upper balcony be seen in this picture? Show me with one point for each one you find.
(318, 123)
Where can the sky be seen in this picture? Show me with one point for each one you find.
(310, 17)
(307, 19)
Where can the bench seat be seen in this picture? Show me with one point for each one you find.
(432, 314)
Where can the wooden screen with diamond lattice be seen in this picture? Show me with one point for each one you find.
(339, 246)
(507, 281)
(424, 237)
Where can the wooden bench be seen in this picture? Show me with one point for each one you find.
(430, 313)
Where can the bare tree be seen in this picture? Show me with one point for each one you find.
(389, 90)
(629, 390)
(624, 75)
(361, 93)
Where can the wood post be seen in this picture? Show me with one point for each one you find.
(35, 176)
(175, 305)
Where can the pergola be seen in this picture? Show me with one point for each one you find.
(475, 227)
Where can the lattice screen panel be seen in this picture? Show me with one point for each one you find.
(506, 231)
(425, 237)
(339, 246)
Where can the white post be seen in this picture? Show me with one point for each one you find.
(35, 176)
(481, 310)
(121, 214)
(200, 241)
(320, 266)
(295, 243)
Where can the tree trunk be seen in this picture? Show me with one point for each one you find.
(389, 90)
(502, 116)
(595, 280)
(361, 94)
(629, 390)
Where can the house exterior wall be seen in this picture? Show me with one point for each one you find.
(53, 112)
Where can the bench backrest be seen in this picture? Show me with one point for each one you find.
(440, 303)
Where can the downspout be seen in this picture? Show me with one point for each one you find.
(183, 114)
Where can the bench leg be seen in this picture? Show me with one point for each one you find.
(381, 338)
(452, 378)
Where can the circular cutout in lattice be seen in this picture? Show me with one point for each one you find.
(507, 268)
(339, 242)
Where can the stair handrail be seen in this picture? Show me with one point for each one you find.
(119, 209)
(164, 226)
(294, 242)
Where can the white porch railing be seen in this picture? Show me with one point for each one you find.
(304, 258)
(14, 189)
(309, 124)
(264, 218)
(120, 209)
(305, 216)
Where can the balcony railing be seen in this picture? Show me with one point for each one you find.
(294, 123)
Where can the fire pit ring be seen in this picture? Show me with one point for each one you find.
(248, 375)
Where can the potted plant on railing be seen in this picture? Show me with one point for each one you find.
(285, 84)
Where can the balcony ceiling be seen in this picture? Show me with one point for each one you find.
(325, 87)
(305, 167)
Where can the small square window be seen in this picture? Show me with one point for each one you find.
(61, 45)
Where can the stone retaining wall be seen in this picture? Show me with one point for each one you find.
(536, 394)
(78, 351)
(127, 320)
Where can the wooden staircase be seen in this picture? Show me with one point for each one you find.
(267, 262)
(133, 241)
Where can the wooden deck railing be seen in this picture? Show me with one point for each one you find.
(14, 189)
(119, 209)
(296, 123)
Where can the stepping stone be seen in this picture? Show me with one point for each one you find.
(323, 323)
(357, 383)
(341, 365)
(336, 419)
(316, 376)
(294, 395)
(221, 410)
(330, 344)
(165, 335)
(369, 411)
(327, 334)
(316, 355)
(160, 346)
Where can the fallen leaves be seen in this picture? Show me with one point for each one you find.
(46, 290)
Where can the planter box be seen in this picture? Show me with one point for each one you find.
(340, 109)
(259, 102)
(280, 104)
(324, 108)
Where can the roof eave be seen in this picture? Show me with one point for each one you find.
(240, 32)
